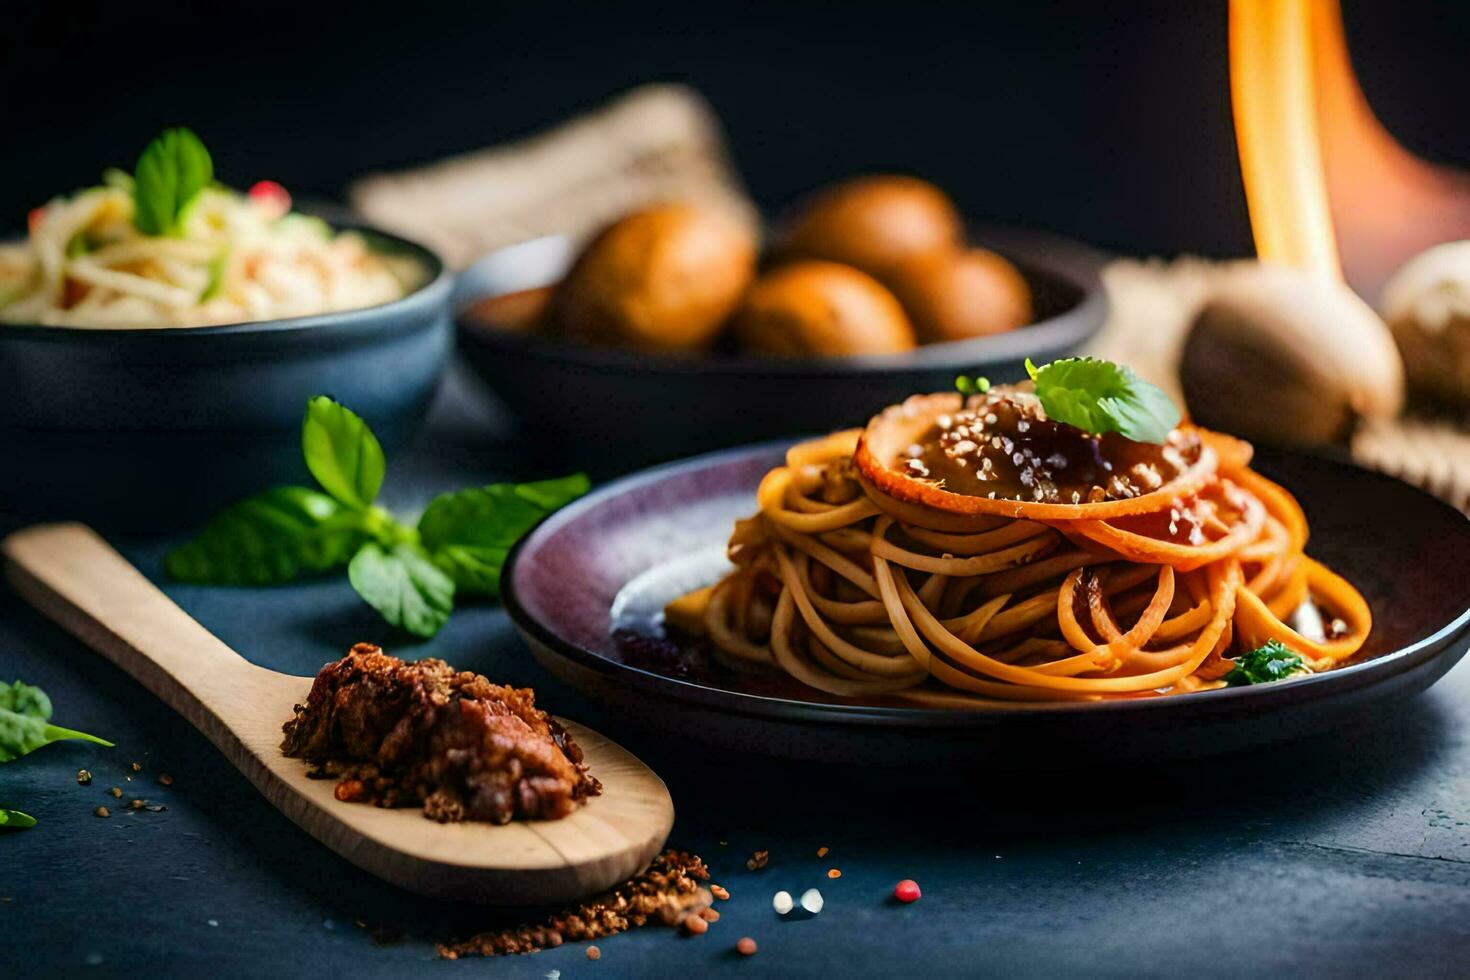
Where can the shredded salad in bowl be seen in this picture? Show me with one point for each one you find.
(168, 246)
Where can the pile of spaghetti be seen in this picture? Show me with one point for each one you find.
(94, 259)
(998, 553)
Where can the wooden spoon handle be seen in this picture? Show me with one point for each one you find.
(78, 580)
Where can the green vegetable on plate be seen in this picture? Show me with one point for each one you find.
(25, 722)
(411, 574)
(1273, 661)
(1100, 396)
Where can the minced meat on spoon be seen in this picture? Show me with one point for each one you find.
(407, 734)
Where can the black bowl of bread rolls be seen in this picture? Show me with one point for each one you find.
(674, 331)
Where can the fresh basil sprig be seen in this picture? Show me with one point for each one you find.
(172, 171)
(25, 722)
(1100, 396)
(410, 574)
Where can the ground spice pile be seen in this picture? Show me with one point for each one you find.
(669, 892)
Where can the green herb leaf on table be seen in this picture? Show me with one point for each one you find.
(410, 575)
(469, 533)
(1273, 661)
(172, 171)
(276, 536)
(1100, 396)
(15, 820)
(342, 452)
(25, 716)
(404, 585)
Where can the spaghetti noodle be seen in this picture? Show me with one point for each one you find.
(957, 550)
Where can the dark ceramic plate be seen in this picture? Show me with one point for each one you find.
(145, 428)
(653, 407)
(586, 587)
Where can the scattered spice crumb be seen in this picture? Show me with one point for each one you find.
(821, 852)
(84, 777)
(723, 843)
(665, 894)
(695, 926)
(155, 808)
(137, 767)
(137, 804)
(164, 779)
(811, 901)
(709, 915)
(116, 791)
(834, 872)
(593, 953)
(758, 861)
(782, 903)
(214, 923)
(907, 891)
(719, 892)
(102, 811)
(746, 946)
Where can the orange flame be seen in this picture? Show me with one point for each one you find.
(1274, 100)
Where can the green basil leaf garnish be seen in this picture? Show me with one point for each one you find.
(25, 722)
(276, 536)
(404, 586)
(172, 171)
(409, 574)
(1100, 396)
(342, 452)
(469, 533)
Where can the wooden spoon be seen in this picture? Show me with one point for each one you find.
(78, 580)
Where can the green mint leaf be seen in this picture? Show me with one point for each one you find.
(172, 171)
(25, 722)
(1100, 396)
(469, 533)
(77, 245)
(342, 452)
(15, 820)
(276, 536)
(1273, 661)
(404, 586)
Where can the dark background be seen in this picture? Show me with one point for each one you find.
(1109, 122)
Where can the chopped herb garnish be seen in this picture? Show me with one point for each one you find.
(1100, 396)
(409, 574)
(971, 386)
(1273, 661)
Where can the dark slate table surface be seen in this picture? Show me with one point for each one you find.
(1347, 853)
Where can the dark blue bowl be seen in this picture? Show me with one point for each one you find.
(639, 407)
(144, 429)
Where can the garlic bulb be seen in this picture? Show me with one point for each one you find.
(1288, 358)
(1427, 306)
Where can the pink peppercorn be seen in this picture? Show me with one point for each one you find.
(907, 891)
